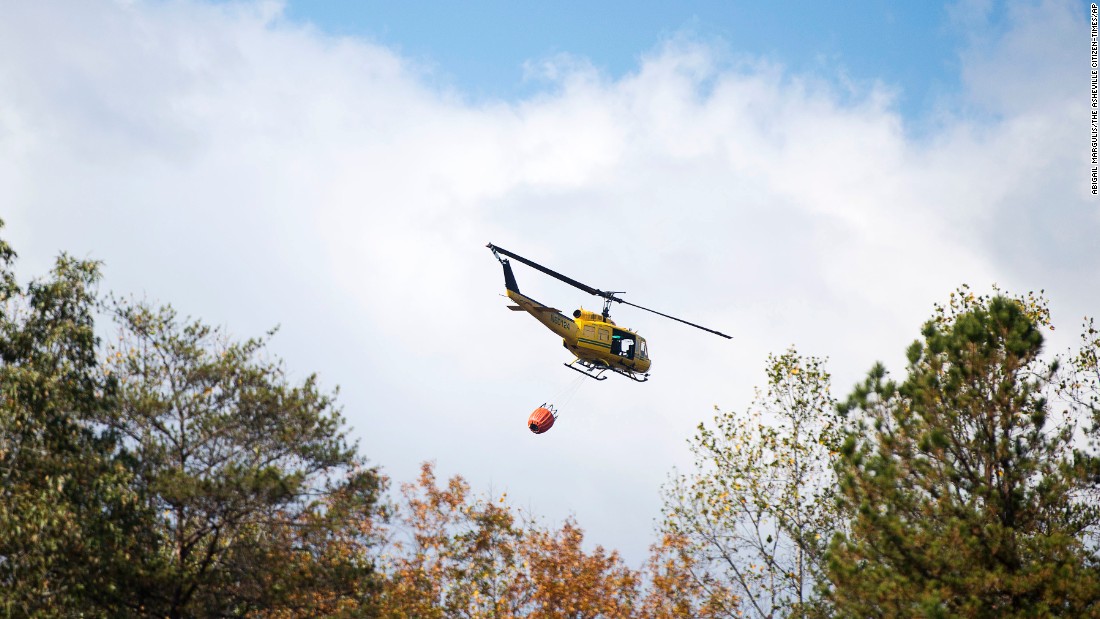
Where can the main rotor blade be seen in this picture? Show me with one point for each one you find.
(595, 291)
(728, 337)
(551, 273)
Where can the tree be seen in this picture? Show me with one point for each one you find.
(68, 515)
(961, 481)
(569, 583)
(757, 512)
(249, 475)
(326, 557)
(1081, 387)
(454, 554)
(676, 588)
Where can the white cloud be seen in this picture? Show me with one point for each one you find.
(252, 171)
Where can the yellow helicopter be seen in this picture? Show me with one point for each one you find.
(597, 343)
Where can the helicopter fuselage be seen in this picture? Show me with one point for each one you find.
(587, 335)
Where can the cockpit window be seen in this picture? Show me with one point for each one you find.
(623, 344)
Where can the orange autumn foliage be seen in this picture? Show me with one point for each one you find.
(453, 554)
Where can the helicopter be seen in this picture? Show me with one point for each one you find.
(597, 343)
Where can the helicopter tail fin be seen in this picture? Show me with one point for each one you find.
(509, 278)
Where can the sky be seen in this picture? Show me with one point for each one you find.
(788, 174)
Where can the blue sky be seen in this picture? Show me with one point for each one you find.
(791, 175)
(480, 48)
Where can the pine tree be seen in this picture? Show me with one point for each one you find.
(961, 482)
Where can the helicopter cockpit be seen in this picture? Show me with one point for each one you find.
(623, 343)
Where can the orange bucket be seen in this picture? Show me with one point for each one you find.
(542, 419)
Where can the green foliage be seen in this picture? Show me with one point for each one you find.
(758, 510)
(183, 475)
(68, 515)
(237, 463)
(961, 482)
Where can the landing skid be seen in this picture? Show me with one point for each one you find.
(591, 370)
(595, 370)
(633, 376)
